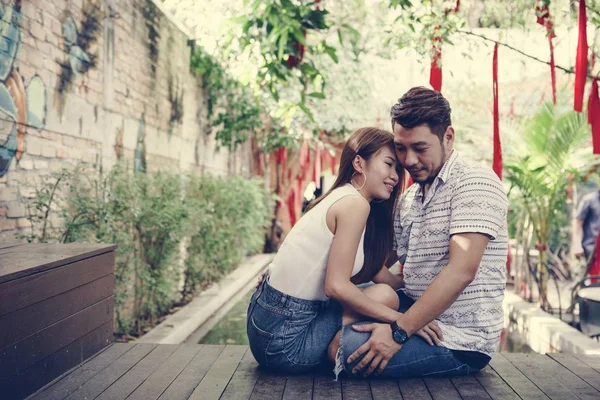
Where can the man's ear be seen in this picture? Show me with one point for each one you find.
(449, 135)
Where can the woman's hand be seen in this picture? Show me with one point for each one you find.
(431, 333)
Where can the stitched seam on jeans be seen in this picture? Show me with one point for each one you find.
(448, 370)
(418, 361)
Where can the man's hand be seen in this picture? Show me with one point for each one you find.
(431, 333)
(378, 350)
(261, 278)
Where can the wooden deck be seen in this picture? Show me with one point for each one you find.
(170, 372)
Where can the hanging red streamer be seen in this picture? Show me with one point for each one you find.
(435, 73)
(497, 162)
(593, 116)
(581, 60)
(543, 18)
(291, 204)
(317, 168)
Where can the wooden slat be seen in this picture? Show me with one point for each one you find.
(114, 371)
(31, 319)
(217, 377)
(27, 352)
(242, 382)
(73, 380)
(326, 388)
(592, 361)
(494, 385)
(269, 386)
(558, 374)
(299, 387)
(52, 367)
(547, 383)
(356, 389)
(385, 389)
(131, 380)
(515, 378)
(185, 383)
(441, 389)
(582, 370)
(469, 388)
(166, 373)
(413, 389)
(31, 289)
(28, 259)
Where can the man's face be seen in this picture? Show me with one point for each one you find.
(419, 151)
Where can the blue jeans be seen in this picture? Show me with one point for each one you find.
(416, 358)
(289, 334)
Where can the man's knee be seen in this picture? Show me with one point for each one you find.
(383, 294)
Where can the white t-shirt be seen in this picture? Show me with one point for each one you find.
(300, 264)
(466, 197)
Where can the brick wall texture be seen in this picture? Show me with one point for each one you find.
(92, 81)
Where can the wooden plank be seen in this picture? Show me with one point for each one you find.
(27, 352)
(494, 385)
(160, 379)
(21, 261)
(534, 371)
(356, 389)
(31, 289)
(591, 361)
(441, 389)
(299, 387)
(48, 369)
(558, 374)
(385, 389)
(469, 388)
(326, 388)
(133, 378)
(218, 376)
(269, 386)
(243, 380)
(71, 381)
(515, 378)
(413, 389)
(34, 318)
(582, 370)
(185, 383)
(98, 383)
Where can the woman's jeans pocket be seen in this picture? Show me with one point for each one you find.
(260, 341)
(298, 337)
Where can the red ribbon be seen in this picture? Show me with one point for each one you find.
(291, 203)
(317, 167)
(497, 162)
(543, 18)
(435, 73)
(595, 267)
(594, 116)
(581, 59)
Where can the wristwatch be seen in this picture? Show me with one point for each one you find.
(400, 336)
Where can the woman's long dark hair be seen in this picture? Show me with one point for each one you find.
(379, 234)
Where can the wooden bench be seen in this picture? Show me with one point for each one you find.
(56, 311)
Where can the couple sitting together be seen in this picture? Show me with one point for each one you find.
(329, 297)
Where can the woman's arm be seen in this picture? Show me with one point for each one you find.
(350, 216)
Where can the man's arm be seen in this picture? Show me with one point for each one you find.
(576, 238)
(466, 252)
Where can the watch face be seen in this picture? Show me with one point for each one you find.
(399, 336)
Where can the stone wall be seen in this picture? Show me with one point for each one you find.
(95, 81)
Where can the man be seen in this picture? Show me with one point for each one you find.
(587, 225)
(451, 237)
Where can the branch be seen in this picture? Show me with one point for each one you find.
(566, 70)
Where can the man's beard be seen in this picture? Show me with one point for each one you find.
(429, 180)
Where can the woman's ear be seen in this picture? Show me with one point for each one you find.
(357, 163)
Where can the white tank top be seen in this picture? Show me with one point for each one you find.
(299, 266)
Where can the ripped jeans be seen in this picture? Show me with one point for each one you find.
(416, 358)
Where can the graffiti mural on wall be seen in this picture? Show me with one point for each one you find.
(20, 106)
(139, 158)
(77, 44)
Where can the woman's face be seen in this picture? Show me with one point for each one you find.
(381, 174)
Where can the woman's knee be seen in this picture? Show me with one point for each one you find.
(383, 294)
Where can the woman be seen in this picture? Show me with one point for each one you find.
(341, 241)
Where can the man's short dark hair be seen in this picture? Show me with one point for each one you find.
(422, 106)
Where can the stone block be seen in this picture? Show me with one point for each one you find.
(16, 209)
(3, 211)
(26, 163)
(7, 224)
(34, 146)
(48, 150)
(23, 223)
(40, 164)
(8, 194)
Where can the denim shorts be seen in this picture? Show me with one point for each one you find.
(289, 334)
